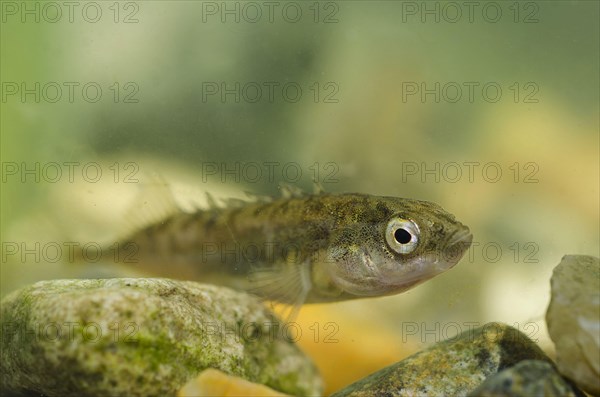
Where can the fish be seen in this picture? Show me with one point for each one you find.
(301, 248)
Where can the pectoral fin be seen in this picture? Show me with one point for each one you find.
(288, 283)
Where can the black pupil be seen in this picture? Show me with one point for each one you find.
(402, 236)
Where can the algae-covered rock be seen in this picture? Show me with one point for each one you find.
(525, 379)
(142, 337)
(452, 367)
(573, 319)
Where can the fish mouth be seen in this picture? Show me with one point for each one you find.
(456, 247)
(463, 236)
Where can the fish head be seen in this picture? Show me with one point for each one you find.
(394, 245)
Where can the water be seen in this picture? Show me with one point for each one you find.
(490, 110)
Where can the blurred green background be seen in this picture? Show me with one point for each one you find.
(354, 62)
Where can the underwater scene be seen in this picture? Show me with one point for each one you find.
(300, 198)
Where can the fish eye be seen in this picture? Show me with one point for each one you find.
(402, 235)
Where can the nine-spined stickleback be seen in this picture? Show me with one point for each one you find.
(304, 248)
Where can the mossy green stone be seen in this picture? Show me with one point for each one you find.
(450, 368)
(573, 319)
(525, 379)
(142, 337)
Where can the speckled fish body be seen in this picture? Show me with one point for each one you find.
(311, 248)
